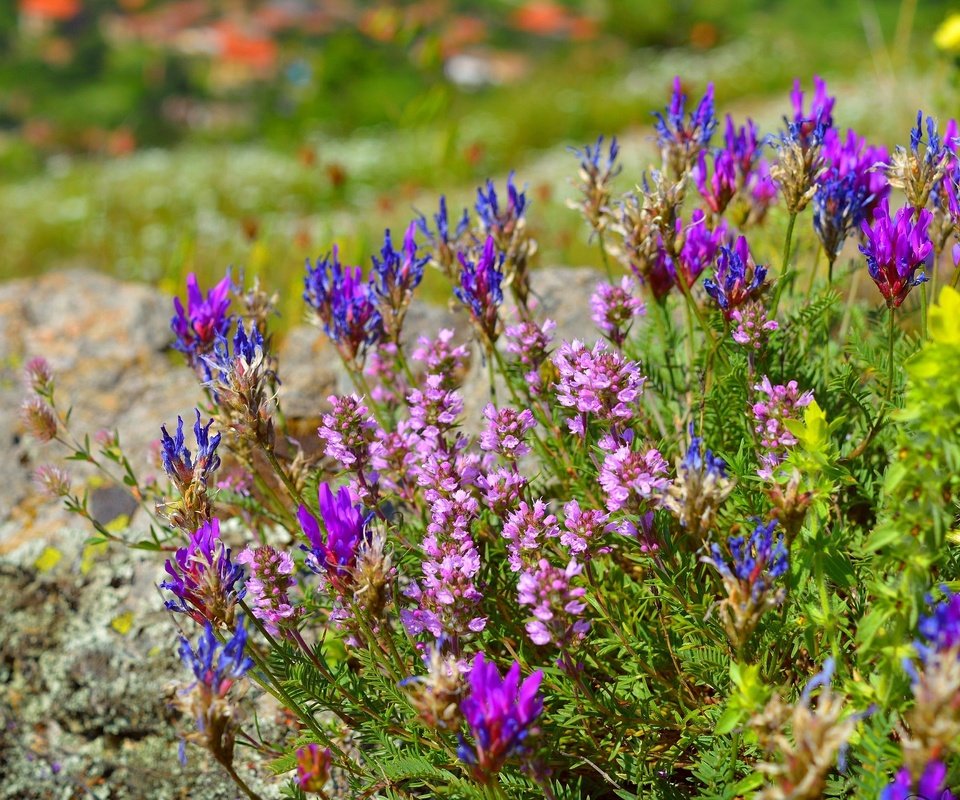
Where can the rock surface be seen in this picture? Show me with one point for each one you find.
(88, 653)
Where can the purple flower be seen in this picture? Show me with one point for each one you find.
(598, 382)
(480, 287)
(204, 579)
(443, 358)
(447, 598)
(717, 190)
(752, 325)
(344, 523)
(530, 343)
(699, 245)
(737, 278)
(742, 146)
(614, 308)
(940, 629)
(348, 431)
(433, 409)
(177, 460)
(629, 478)
(839, 205)
(203, 320)
(583, 529)
(756, 562)
(271, 575)
(853, 156)
(895, 249)
(217, 667)
(782, 402)
(501, 714)
(821, 109)
(932, 784)
(395, 276)
(496, 221)
(442, 237)
(313, 768)
(345, 305)
(502, 490)
(681, 137)
(525, 529)
(505, 431)
(596, 164)
(556, 605)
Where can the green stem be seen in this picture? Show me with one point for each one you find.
(890, 356)
(492, 376)
(781, 282)
(923, 311)
(603, 255)
(282, 474)
(241, 783)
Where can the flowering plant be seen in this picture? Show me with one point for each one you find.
(694, 552)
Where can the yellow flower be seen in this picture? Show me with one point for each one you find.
(947, 36)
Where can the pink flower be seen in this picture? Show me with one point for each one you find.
(556, 605)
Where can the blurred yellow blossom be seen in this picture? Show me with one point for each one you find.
(947, 36)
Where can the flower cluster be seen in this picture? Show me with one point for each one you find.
(270, 579)
(505, 431)
(480, 288)
(749, 570)
(395, 276)
(699, 489)
(204, 319)
(556, 605)
(682, 137)
(501, 714)
(782, 402)
(216, 669)
(597, 170)
(737, 279)
(190, 476)
(614, 309)
(346, 305)
(204, 580)
(599, 383)
(896, 249)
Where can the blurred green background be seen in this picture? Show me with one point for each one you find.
(149, 138)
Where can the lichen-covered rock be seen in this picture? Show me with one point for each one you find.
(88, 653)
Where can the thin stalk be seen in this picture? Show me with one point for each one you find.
(282, 474)
(788, 240)
(933, 277)
(923, 311)
(890, 356)
(603, 255)
(492, 377)
(241, 783)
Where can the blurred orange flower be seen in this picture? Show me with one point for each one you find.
(50, 9)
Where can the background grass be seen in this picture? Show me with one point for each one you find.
(382, 134)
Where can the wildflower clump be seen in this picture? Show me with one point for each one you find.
(698, 580)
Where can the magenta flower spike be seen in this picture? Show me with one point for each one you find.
(896, 249)
(501, 714)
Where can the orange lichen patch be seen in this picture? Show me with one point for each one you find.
(50, 9)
